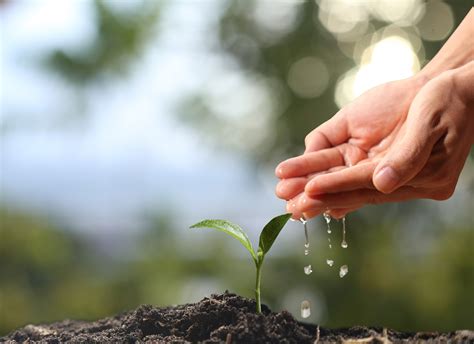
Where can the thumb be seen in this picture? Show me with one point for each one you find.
(404, 160)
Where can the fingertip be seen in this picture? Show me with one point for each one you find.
(291, 208)
(284, 190)
(337, 214)
(310, 214)
(284, 169)
(279, 171)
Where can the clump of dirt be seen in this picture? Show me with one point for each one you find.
(224, 318)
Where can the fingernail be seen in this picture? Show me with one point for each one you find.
(386, 179)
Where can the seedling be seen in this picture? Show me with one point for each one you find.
(267, 238)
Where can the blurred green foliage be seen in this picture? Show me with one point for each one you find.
(120, 39)
(48, 273)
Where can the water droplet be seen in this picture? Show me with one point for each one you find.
(305, 309)
(306, 252)
(330, 246)
(303, 220)
(308, 270)
(330, 262)
(344, 244)
(343, 271)
(292, 219)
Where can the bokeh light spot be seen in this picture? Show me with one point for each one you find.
(308, 77)
(437, 22)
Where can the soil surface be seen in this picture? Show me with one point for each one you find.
(224, 318)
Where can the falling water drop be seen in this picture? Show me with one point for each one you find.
(344, 242)
(327, 217)
(343, 271)
(306, 244)
(305, 309)
(308, 269)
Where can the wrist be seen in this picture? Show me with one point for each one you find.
(456, 52)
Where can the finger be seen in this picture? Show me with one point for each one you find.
(288, 188)
(348, 179)
(405, 158)
(292, 207)
(310, 163)
(312, 213)
(340, 213)
(356, 198)
(329, 134)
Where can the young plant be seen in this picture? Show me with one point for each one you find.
(267, 238)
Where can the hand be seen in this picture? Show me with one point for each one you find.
(422, 158)
(357, 133)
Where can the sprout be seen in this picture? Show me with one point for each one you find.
(267, 238)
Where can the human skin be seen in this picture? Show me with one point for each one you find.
(402, 140)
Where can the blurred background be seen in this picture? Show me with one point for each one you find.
(123, 122)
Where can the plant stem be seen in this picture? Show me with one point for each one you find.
(257, 288)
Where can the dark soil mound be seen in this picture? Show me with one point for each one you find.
(225, 318)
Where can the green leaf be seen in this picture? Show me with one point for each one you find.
(231, 229)
(271, 231)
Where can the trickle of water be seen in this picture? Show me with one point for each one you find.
(344, 242)
(330, 262)
(306, 244)
(308, 270)
(343, 271)
(327, 217)
(305, 309)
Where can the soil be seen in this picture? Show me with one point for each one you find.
(224, 318)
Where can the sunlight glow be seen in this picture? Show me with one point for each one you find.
(392, 58)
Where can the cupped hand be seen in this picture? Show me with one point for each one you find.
(373, 151)
(358, 132)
